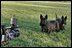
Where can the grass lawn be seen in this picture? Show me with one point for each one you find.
(28, 15)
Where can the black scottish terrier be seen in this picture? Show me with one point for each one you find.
(62, 22)
(48, 26)
(43, 23)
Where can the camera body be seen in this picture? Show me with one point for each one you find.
(13, 30)
(9, 35)
(15, 33)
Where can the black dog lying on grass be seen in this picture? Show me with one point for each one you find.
(62, 22)
(49, 26)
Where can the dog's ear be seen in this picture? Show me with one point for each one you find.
(46, 17)
(62, 17)
(65, 17)
(41, 16)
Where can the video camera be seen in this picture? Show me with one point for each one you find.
(9, 35)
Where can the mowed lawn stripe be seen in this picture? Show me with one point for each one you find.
(8, 3)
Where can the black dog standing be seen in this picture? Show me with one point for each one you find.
(48, 26)
(62, 22)
(43, 23)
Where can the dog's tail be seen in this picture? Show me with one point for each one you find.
(56, 15)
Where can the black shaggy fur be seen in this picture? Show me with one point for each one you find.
(48, 26)
(62, 22)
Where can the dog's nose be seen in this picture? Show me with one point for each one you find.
(63, 24)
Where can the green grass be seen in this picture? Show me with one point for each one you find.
(28, 15)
